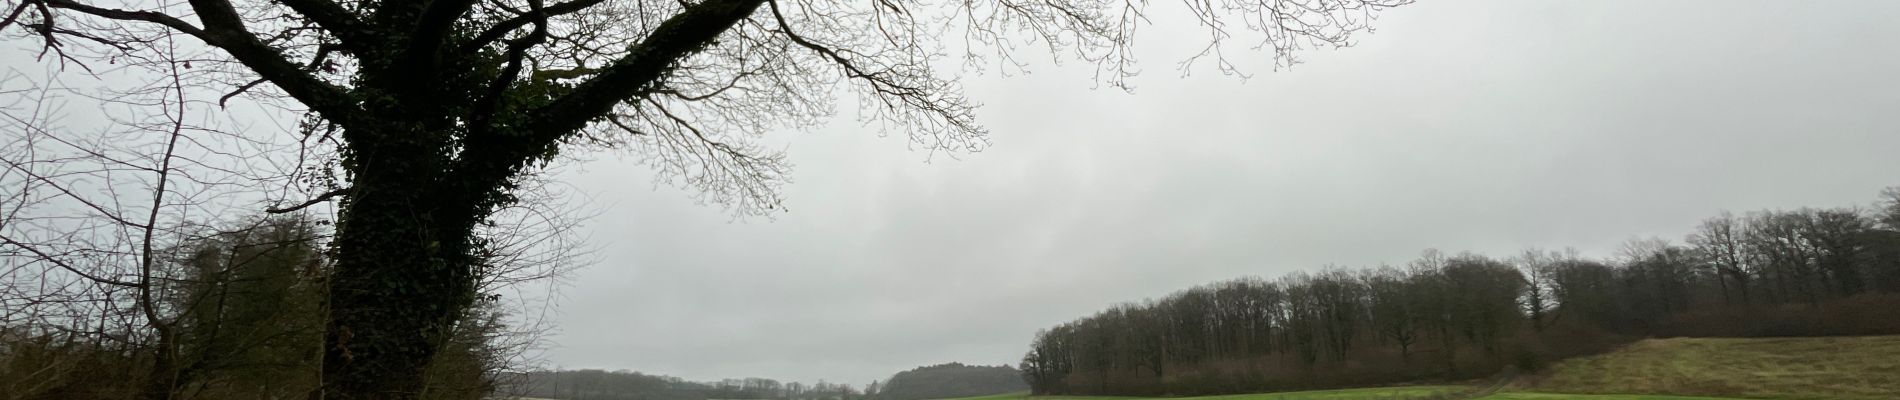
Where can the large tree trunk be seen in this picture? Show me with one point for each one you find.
(403, 274)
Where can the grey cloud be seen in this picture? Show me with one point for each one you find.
(1485, 126)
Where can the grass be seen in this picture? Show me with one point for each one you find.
(1005, 396)
(1846, 368)
(1842, 368)
(1556, 396)
(1402, 392)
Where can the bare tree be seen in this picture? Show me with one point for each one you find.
(1535, 264)
(93, 219)
(1394, 312)
(1719, 239)
(438, 110)
(1888, 212)
(138, 237)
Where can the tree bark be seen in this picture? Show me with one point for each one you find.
(403, 273)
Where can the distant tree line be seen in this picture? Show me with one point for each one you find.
(595, 384)
(930, 382)
(952, 380)
(1802, 272)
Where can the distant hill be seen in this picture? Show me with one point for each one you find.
(951, 380)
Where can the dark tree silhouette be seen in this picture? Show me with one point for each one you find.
(437, 110)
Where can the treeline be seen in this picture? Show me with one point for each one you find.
(929, 382)
(594, 384)
(230, 313)
(1767, 273)
(952, 380)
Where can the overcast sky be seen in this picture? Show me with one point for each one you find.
(1460, 125)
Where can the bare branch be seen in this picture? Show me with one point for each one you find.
(326, 196)
(56, 261)
(225, 30)
(501, 29)
(643, 66)
(356, 37)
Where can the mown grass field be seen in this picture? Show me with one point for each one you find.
(1845, 368)
(1403, 392)
(1558, 396)
(1838, 368)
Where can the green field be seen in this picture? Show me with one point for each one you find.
(1554, 396)
(1402, 392)
(1842, 368)
(1846, 368)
